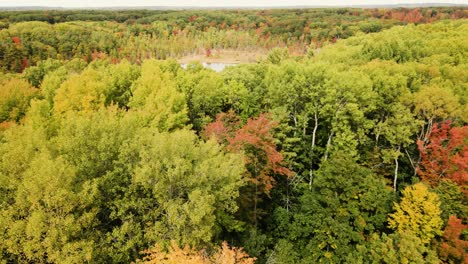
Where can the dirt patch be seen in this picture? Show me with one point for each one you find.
(227, 56)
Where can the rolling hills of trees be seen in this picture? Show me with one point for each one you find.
(347, 144)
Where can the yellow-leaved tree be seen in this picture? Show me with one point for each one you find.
(85, 92)
(418, 213)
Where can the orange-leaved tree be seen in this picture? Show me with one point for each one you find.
(188, 255)
(454, 248)
(445, 155)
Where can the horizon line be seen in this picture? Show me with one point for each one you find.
(432, 4)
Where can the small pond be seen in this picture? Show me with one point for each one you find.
(216, 66)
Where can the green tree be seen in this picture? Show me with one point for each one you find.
(399, 248)
(36, 74)
(122, 77)
(178, 187)
(435, 104)
(205, 95)
(348, 98)
(50, 219)
(156, 100)
(346, 204)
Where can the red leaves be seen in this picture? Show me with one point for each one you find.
(223, 128)
(454, 248)
(192, 18)
(414, 16)
(445, 156)
(257, 143)
(409, 16)
(16, 40)
(24, 63)
(208, 52)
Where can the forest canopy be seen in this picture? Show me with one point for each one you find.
(346, 143)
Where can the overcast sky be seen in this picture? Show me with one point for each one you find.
(209, 3)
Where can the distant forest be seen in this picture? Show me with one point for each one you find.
(141, 34)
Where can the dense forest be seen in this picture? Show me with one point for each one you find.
(347, 143)
(32, 36)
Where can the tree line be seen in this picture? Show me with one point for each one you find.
(28, 37)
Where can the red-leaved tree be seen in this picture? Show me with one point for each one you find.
(256, 141)
(454, 248)
(445, 155)
(262, 159)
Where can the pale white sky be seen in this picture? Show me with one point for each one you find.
(209, 3)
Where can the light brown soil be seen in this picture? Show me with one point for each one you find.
(226, 56)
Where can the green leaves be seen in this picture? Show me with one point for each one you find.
(205, 95)
(108, 158)
(50, 219)
(190, 187)
(346, 204)
(155, 99)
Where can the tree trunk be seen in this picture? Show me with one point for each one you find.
(312, 146)
(396, 172)
(412, 163)
(328, 146)
(295, 124)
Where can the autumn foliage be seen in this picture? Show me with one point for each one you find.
(445, 155)
(16, 40)
(454, 247)
(257, 143)
(188, 255)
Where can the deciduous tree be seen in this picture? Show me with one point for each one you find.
(418, 212)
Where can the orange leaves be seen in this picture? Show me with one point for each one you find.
(454, 247)
(176, 254)
(257, 143)
(409, 15)
(445, 156)
(256, 133)
(98, 55)
(192, 18)
(414, 16)
(24, 63)
(188, 255)
(16, 40)
(231, 256)
(5, 125)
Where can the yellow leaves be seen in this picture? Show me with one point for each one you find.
(418, 213)
(436, 102)
(15, 95)
(85, 92)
